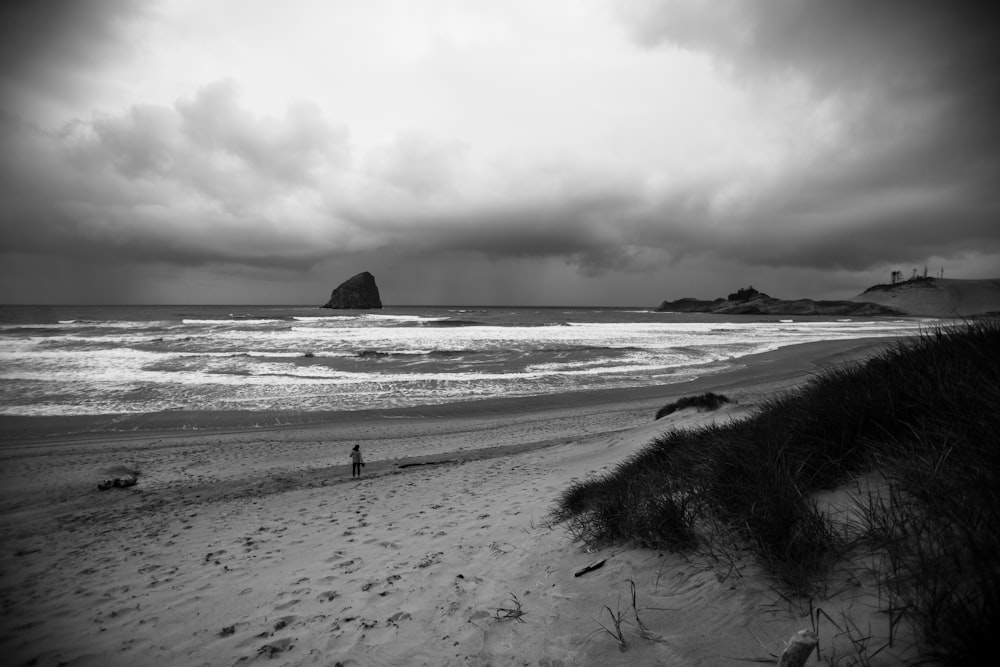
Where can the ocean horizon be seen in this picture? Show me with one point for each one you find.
(95, 360)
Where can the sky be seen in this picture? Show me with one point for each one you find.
(565, 152)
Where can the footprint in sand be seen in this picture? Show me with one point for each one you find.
(327, 596)
(430, 559)
(275, 648)
(397, 618)
(283, 622)
(352, 565)
(214, 556)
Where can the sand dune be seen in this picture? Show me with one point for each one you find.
(243, 546)
(938, 297)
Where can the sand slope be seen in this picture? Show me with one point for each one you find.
(938, 297)
(401, 569)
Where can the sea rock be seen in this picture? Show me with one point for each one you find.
(358, 292)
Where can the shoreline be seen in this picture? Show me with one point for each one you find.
(782, 363)
(245, 544)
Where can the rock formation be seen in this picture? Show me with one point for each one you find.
(918, 297)
(748, 301)
(359, 292)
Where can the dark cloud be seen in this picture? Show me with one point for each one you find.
(905, 89)
(583, 223)
(862, 212)
(288, 151)
(54, 45)
(894, 58)
(202, 181)
(907, 46)
(210, 143)
(915, 171)
(911, 176)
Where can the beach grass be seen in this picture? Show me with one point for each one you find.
(922, 418)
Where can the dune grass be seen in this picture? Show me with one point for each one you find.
(924, 416)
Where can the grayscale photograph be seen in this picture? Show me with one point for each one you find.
(669, 328)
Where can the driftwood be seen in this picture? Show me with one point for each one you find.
(427, 463)
(590, 568)
(799, 649)
(117, 483)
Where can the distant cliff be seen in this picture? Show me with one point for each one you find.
(358, 292)
(937, 297)
(748, 301)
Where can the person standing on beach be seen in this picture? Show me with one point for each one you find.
(356, 461)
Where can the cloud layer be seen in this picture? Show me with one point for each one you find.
(632, 136)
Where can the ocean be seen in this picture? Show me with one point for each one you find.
(98, 360)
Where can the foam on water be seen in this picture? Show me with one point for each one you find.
(200, 358)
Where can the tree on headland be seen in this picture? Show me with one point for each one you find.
(745, 294)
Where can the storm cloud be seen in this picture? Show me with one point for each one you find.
(916, 94)
(197, 182)
(630, 142)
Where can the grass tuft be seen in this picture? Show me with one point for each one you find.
(507, 613)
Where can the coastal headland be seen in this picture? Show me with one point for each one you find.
(919, 297)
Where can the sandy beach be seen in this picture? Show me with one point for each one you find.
(246, 539)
